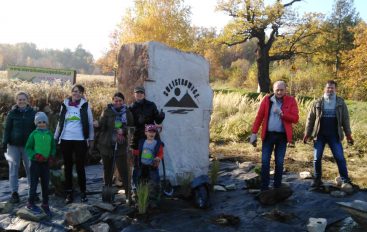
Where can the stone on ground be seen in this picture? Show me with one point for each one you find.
(273, 196)
(77, 216)
(316, 224)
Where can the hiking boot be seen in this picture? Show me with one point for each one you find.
(316, 183)
(34, 209)
(83, 197)
(14, 198)
(69, 198)
(47, 210)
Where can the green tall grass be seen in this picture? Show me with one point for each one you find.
(143, 197)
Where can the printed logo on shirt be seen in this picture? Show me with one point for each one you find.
(72, 116)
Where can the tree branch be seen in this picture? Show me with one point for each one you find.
(290, 3)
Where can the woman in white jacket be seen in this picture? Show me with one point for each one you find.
(75, 133)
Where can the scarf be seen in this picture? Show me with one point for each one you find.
(76, 103)
(120, 114)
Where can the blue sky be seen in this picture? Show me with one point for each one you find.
(60, 24)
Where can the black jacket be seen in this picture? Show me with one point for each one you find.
(18, 126)
(144, 112)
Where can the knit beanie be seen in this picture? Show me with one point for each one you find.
(40, 117)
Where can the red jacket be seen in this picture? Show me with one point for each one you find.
(290, 115)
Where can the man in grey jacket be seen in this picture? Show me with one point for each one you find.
(326, 121)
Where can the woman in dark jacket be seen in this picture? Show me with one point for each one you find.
(113, 134)
(75, 133)
(18, 126)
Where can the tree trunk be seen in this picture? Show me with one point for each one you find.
(263, 63)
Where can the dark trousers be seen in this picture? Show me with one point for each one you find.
(120, 164)
(276, 142)
(39, 170)
(79, 147)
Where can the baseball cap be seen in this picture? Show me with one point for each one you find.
(139, 89)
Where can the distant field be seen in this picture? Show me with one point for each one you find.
(79, 77)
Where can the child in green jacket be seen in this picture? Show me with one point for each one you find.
(40, 148)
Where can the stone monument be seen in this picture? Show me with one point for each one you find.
(178, 83)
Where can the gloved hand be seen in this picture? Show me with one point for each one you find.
(253, 139)
(305, 138)
(350, 140)
(156, 162)
(40, 158)
(162, 115)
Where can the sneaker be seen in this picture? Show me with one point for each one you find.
(34, 209)
(47, 210)
(14, 198)
(316, 183)
(69, 198)
(83, 197)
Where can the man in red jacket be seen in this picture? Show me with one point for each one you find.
(276, 114)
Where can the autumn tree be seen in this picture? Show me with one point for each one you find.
(337, 34)
(165, 21)
(354, 69)
(253, 20)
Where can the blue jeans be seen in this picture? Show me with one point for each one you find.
(39, 170)
(277, 142)
(337, 150)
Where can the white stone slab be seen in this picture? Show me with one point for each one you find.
(178, 83)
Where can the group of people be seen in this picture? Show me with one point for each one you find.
(28, 139)
(327, 122)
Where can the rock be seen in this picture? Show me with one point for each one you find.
(316, 224)
(116, 220)
(360, 205)
(177, 82)
(347, 188)
(77, 216)
(253, 181)
(278, 215)
(100, 227)
(18, 225)
(338, 181)
(219, 188)
(105, 206)
(25, 214)
(305, 175)
(273, 196)
(5, 207)
(338, 194)
(246, 166)
(358, 211)
(231, 187)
